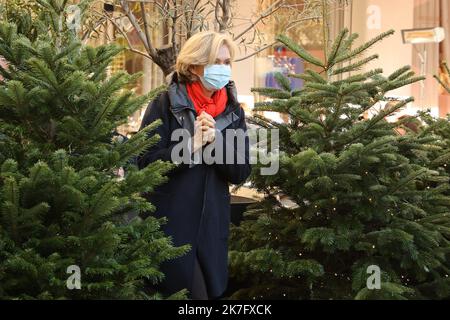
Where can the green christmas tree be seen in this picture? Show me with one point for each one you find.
(62, 206)
(365, 199)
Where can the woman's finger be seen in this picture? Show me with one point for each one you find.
(209, 135)
(205, 115)
(207, 122)
(200, 125)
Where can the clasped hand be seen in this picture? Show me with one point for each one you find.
(204, 130)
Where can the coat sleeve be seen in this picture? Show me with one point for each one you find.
(158, 109)
(236, 173)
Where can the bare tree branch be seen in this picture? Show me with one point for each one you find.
(147, 44)
(190, 19)
(272, 9)
(291, 25)
(223, 20)
(257, 51)
(183, 18)
(124, 34)
(89, 31)
(174, 24)
(226, 15)
(144, 19)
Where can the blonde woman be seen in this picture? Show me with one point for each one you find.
(201, 99)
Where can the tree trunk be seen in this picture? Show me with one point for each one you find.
(166, 59)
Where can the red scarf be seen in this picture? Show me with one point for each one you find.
(214, 105)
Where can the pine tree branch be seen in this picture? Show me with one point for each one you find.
(364, 47)
(335, 49)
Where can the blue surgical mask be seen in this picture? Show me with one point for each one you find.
(216, 76)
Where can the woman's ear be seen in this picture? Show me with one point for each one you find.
(193, 70)
(196, 70)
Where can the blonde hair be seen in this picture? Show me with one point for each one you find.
(201, 49)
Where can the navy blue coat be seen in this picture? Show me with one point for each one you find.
(196, 198)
